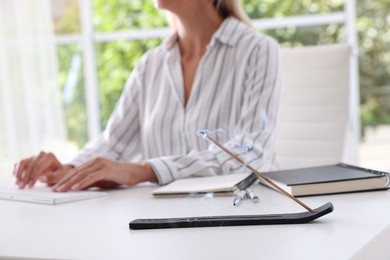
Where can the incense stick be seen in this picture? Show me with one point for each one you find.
(258, 174)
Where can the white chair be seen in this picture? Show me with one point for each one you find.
(315, 112)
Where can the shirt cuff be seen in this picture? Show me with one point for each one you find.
(163, 172)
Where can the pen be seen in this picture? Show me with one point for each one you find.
(254, 198)
(240, 196)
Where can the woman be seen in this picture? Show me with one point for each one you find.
(214, 72)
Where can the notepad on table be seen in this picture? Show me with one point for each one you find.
(44, 195)
(339, 178)
(218, 185)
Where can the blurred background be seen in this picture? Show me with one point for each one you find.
(112, 35)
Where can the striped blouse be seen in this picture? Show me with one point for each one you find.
(236, 90)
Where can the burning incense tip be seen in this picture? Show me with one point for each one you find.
(202, 133)
(206, 133)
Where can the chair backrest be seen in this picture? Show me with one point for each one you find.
(314, 115)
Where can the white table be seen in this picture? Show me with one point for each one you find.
(359, 228)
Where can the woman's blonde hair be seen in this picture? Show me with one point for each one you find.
(226, 8)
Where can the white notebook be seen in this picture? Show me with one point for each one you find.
(44, 195)
(219, 185)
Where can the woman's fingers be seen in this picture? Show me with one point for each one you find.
(64, 180)
(88, 180)
(26, 169)
(29, 170)
(51, 178)
(72, 180)
(100, 171)
(19, 169)
(43, 165)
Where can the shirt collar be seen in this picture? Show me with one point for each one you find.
(170, 41)
(227, 34)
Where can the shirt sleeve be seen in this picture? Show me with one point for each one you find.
(254, 140)
(120, 140)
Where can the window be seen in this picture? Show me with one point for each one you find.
(100, 41)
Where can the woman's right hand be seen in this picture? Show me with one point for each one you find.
(44, 167)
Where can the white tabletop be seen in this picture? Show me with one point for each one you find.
(99, 228)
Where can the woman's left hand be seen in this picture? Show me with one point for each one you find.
(104, 173)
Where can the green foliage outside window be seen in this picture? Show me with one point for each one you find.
(117, 59)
